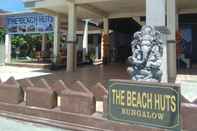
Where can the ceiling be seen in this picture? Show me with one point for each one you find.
(97, 9)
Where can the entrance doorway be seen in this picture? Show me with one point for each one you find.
(188, 29)
(121, 37)
(29, 49)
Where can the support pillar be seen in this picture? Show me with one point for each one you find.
(171, 24)
(96, 42)
(155, 16)
(177, 21)
(155, 12)
(8, 39)
(56, 40)
(105, 47)
(43, 42)
(71, 39)
(85, 41)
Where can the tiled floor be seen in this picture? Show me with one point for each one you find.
(89, 75)
(187, 75)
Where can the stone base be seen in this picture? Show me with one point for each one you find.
(78, 103)
(189, 116)
(41, 97)
(73, 121)
(11, 95)
(11, 92)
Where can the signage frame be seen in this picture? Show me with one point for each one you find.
(29, 23)
(173, 87)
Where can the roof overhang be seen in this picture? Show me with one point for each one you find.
(96, 9)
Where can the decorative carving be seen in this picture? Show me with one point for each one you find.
(147, 53)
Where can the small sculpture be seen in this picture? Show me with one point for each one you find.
(147, 54)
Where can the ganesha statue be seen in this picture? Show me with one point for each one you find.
(146, 60)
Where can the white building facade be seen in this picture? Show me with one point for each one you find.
(103, 10)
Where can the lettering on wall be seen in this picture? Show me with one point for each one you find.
(155, 105)
(29, 23)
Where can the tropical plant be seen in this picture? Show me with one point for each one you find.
(18, 41)
(2, 34)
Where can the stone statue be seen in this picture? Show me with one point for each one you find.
(147, 54)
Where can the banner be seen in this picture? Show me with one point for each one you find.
(146, 104)
(29, 23)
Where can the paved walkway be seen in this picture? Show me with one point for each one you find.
(21, 72)
(89, 75)
(187, 75)
(7, 124)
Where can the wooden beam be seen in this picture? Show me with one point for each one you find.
(94, 10)
(31, 0)
(92, 1)
(187, 11)
(126, 14)
(42, 5)
(49, 12)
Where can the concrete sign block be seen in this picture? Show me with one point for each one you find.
(81, 101)
(43, 97)
(11, 92)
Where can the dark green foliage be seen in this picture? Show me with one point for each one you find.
(2, 34)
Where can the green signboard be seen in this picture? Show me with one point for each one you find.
(147, 104)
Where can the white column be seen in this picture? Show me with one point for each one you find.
(8, 43)
(102, 47)
(106, 25)
(177, 21)
(71, 39)
(155, 12)
(85, 40)
(56, 41)
(43, 42)
(156, 16)
(171, 24)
